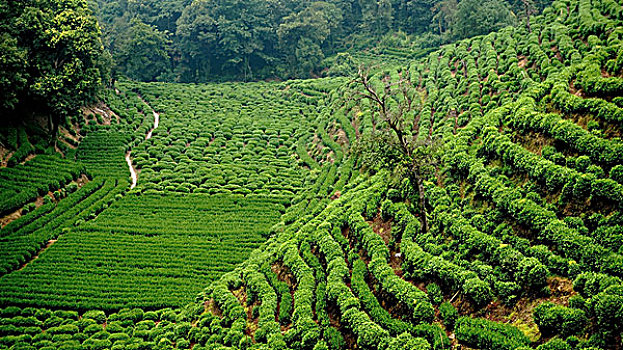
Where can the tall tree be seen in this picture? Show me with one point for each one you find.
(529, 9)
(302, 35)
(394, 142)
(445, 13)
(12, 77)
(54, 50)
(217, 37)
(478, 17)
(142, 52)
(197, 35)
(253, 39)
(384, 17)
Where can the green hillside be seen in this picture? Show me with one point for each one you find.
(469, 198)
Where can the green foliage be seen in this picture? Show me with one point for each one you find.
(475, 17)
(525, 198)
(486, 334)
(554, 319)
(244, 141)
(142, 52)
(407, 341)
(195, 41)
(554, 344)
(25, 182)
(478, 290)
(531, 274)
(434, 293)
(449, 314)
(176, 244)
(20, 243)
(52, 59)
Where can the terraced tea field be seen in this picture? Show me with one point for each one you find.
(147, 251)
(186, 223)
(260, 220)
(225, 138)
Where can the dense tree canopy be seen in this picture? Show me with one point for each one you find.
(51, 58)
(202, 40)
(477, 17)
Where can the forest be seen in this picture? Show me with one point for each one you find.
(316, 175)
(198, 41)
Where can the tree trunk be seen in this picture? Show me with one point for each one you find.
(439, 24)
(527, 6)
(55, 120)
(419, 183)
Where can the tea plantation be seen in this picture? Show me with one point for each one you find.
(258, 221)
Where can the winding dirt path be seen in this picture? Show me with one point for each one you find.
(156, 123)
(128, 160)
(133, 174)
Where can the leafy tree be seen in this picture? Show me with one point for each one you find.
(395, 143)
(414, 16)
(196, 32)
(445, 13)
(304, 34)
(52, 58)
(12, 76)
(344, 65)
(253, 39)
(529, 9)
(224, 36)
(384, 16)
(142, 52)
(478, 17)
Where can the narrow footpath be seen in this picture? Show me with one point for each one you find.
(128, 160)
(133, 174)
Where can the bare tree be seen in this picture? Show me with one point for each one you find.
(529, 8)
(395, 140)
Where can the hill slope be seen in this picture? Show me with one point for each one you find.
(525, 230)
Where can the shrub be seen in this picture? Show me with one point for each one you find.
(334, 338)
(554, 319)
(590, 283)
(478, 291)
(577, 302)
(28, 208)
(423, 312)
(183, 344)
(92, 329)
(607, 189)
(582, 163)
(608, 310)
(43, 314)
(449, 314)
(434, 293)
(554, 344)
(73, 315)
(489, 335)
(151, 315)
(72, 187)
(531, 274)
(582, 187)
(97, 315)
(97, 344)
(407, 342)
(509, 292)
(83, 323)
(64, 329)
(616, 173)
(115, 327)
